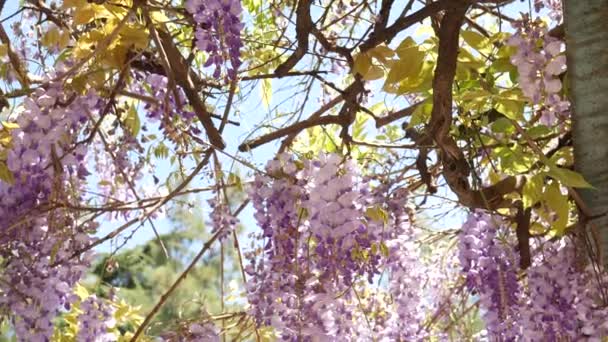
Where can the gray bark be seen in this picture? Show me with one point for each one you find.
(586, 27)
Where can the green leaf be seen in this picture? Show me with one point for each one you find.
(538, 131)
(359, 127)
(510, 108)
(377, 214)
(132, 121)
(558, 203)
(5, 174)
(513, 160)
(532, 191)
(503, 65)
(421, 114)
(568, 178)
(503, 125)
(54, 251)
(161, 151)
(565, 153)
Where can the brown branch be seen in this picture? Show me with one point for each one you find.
(456, 169)
(181, 73)
(275, 75)
(287, 141)
(400, 114)
(383, 14)
(386, 35)
(522, 220)
(304, 26)
(293, 129)
(425, 176)
(14, 59)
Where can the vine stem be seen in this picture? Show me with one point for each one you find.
(177, 282)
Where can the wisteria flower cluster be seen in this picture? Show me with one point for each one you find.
(491, 267)
(325, 233)
(555, 301)
(540, 69)
(218, 32)
(554, 7)
(39, 247)
(222, 219)
(96, 318)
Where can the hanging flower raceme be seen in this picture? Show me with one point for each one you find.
(96, 318)
(325, 235)
(564, 302)
(218, 32)
(221, 219)
(491, 267)
(38, 246)
(539, 69)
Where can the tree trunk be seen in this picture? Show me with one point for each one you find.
(586, 24)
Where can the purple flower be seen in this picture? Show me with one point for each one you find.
(218, 32)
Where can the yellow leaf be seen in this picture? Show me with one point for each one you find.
(87, 43)
(377, 214)
(363, 63)
(421, 114)
(468, 61)
(563, 155)
(407, 67)
(115, 57)
(55, 38)
(9, 125)
(84, 15)
(67, 4)
(159, 17)
(477, 41)
(382, 53)
(5, 174)
(64, 40)
(136, 36)
(420, 82)
(374, 73)
(406, 44)
(511, 109)
(81, 292)
(50, 37)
